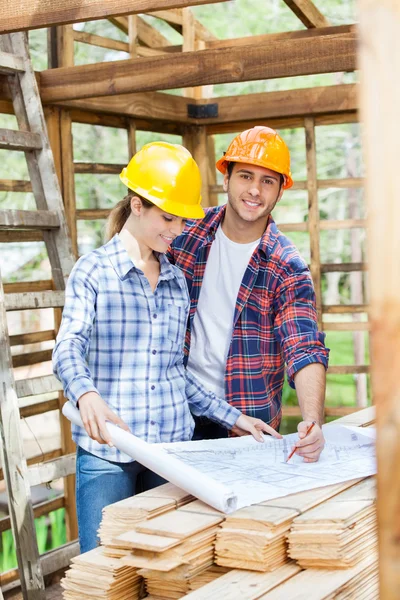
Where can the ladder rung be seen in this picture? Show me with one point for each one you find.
(54, 469)
(29, 219)
(30, 300)
(10, 63)
(37, 385)
(11, 139)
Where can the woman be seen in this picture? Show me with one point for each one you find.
(119, 351)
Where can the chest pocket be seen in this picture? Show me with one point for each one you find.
(177, 323)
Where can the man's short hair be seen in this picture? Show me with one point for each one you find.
(229, 170)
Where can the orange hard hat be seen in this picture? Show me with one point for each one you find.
(261, 146)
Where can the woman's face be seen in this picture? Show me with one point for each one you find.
(158, 229)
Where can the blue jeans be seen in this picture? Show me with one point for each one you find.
(100, 482)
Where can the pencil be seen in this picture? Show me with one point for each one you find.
(295, 448)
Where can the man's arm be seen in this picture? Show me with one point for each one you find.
(310, 385)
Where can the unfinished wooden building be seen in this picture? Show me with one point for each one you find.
(162, 89)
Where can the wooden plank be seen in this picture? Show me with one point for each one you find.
(49, 471)
(44, 508)
(31, 358)
(246, 585)
(9, 63)
(15, 471)
(178, 524)
(379, 54)
(313, 214)
(37, 385)
(11, 237)
(298, 102)
(33, 300)
(14, 185)
(16, 17)
(28, 286)
(97, 168)
(11, 139)
(29, 219)
(329, 52)
(98, 40)
(200, 154)
(336, 309)
(343, 267)
(131, 138)
(149, 105)
(308, 13)
(32, 338)
(92, 214)
(40, 458)
(348, 370)
(346, 326)
(38, 408)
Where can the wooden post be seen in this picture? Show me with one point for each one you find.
(200, 155)
(212, 172)
(313, 213)
(190, 44)
(133, 35)
(131, 138)
(59, 126)
(379, 59)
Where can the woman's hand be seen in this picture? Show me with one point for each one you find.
(245, 425)
(94, 414)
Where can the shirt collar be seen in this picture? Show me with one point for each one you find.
(123, 264)
(268, 238)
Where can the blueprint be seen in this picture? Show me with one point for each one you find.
(256, 472)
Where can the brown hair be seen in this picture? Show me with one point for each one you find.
(120, 214)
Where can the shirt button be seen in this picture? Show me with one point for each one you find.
(154, 351)
(152, 422)
(153, 387)
(155, 316)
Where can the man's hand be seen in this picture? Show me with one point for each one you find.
(310, 446)
(246, 425)
(94, 414)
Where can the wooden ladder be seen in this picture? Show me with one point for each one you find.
(32, 139)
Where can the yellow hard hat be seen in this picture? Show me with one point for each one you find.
(167, 175)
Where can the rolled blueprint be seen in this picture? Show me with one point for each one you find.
(172, 469)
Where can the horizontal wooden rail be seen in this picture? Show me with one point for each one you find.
(37, 385)
(324, 225)
(343, 267)
(51, 470)
(33, 300)
(12, 237)
(39, 408)
(44, 508)
(346, 326)
(14, 185)
(97, 168)
(29, 219)
(329, 411)
(12, 139)
(91, 214)
(31, 358)
(100, 41)
(28, 286)
(348, 369)
(32, 338)
(340, 309)
(40, 458)
(322, 184)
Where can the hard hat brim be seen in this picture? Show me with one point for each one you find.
(222, 166)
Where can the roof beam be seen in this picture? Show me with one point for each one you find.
(15, 16)
(329, 52)
(308, 13)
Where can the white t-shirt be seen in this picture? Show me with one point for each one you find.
(213, 321)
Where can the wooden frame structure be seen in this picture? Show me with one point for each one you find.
(125, 94)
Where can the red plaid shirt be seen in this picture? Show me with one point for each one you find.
(275, 317)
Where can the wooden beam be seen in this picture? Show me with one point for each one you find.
(29, 219)
(325, 53)
(16, 16)
(102, 42)
(149, 105)
(308, 13)
(379, 58)
(291, 103)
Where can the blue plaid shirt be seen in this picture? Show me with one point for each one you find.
(123, 341)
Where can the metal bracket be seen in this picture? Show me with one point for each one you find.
(202, 111)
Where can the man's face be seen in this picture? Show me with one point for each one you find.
(252, 191)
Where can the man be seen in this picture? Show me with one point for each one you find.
(252, 298)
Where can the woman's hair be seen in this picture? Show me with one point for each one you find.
(120, 213)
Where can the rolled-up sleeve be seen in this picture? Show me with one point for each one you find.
(72, 343)
(296, 327)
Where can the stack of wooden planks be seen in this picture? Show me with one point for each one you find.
(171, 550)
(339, 533)
(93, 575)
(124, 515)
(255, 537)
